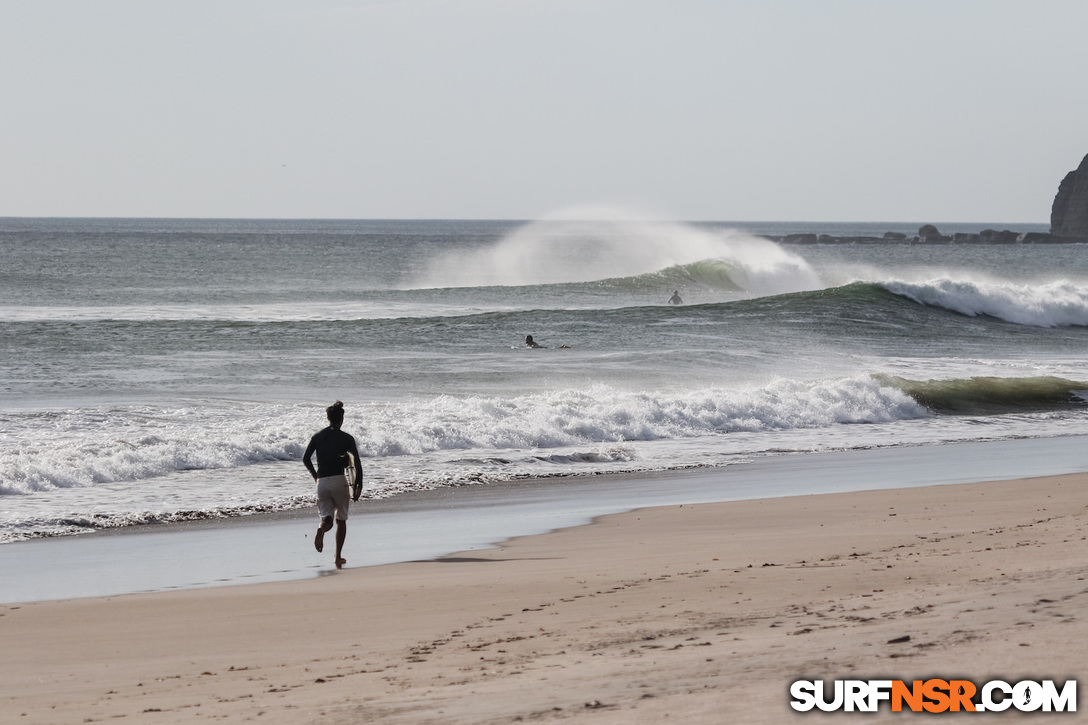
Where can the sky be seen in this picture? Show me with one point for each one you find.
(725, 110)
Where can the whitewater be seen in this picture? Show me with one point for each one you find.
(166, 370)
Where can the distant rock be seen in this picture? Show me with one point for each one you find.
(992, 236)
(1069, 215)
(1041, 238)
(929, 234)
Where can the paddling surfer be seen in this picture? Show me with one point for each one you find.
(530, 342)
(333, 488)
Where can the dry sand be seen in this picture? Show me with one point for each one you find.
(698, 614)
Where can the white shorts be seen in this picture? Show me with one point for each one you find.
(333, 497)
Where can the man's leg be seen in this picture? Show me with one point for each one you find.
(341, 535)
(319, 538)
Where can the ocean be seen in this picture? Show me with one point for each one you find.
(156, 370)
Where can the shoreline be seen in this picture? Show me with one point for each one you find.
(704, 612)
(426, 525)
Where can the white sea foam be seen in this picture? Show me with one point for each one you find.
(90, 447)
(590, 244)
(85, 447)
(603, 414)
(1051, 304)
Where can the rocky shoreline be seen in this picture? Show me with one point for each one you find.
(929, 234)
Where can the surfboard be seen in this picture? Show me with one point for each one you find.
(349, 473)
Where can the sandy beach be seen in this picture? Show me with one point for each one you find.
(698, 613)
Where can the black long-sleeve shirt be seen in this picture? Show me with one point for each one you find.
(330, 445)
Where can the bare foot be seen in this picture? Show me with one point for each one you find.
(319, 539)
(340, 563)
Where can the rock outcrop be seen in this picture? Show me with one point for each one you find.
(929, 234)
(1069, 215)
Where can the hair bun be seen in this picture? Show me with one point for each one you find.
(335, 412)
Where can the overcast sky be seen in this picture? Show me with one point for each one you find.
(791, 110)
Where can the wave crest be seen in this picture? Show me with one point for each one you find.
(712, 274)
(1053, 304)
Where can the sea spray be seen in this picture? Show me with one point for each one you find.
(597, 244)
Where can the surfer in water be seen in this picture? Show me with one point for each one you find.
(530, 342)
(675, 299)
(333, 488)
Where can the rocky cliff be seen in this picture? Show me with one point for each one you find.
(1069, 215)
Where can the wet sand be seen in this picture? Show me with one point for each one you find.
(701, 613)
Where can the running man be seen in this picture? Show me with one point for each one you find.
(333, 488)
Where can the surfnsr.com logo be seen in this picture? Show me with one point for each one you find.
(934, 695)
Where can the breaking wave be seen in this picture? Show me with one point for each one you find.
(993, 396)
(79, 451)
(579, 247)
(1052, 304)
(183, 464)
